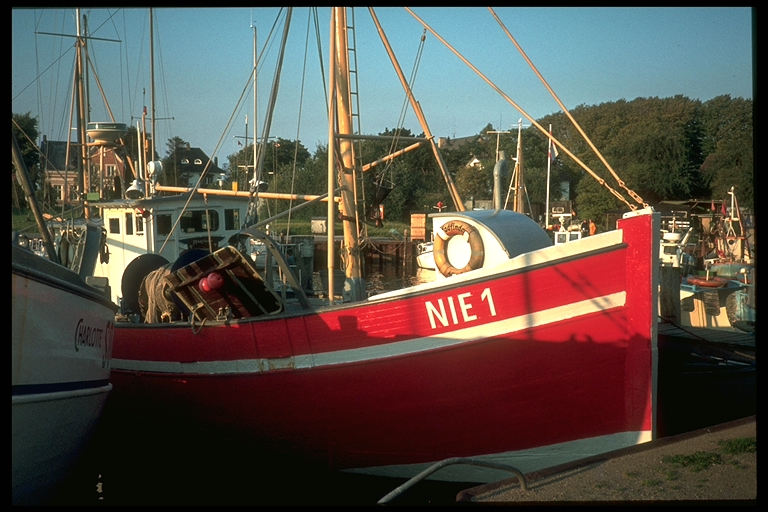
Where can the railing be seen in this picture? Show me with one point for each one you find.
(448, 462)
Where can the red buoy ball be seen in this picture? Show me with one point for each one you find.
(203, 285)
(215, 280)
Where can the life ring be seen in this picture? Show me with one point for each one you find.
(712, 282)
(451, 229)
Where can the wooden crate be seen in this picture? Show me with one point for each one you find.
(243, 293)
(419, 226)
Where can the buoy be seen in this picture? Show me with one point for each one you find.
(215, 281)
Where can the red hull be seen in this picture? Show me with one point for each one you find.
(523, 357)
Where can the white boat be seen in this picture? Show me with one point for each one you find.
(424, 255)
(61, 350)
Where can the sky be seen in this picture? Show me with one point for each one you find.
(203, 58)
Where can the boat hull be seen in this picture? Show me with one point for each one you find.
(547, 358)
(61, 361)
(425, 258)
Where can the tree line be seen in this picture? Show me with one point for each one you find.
(663, 149)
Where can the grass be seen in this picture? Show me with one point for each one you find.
(700, 461)
(23, 221)
(696, 461)
(737, 446)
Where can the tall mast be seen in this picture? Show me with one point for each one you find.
(82, 164)
(549, 169)
(519, 179)
(354, 284)
(255, 102)
(152, 78)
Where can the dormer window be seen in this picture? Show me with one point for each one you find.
(184, 161)
(198, 161)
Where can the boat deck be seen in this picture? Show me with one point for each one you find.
(673, 332)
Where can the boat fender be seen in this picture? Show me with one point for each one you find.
(64, 251)
(472, 235)
(104, 254)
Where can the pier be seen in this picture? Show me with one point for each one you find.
(376, 252)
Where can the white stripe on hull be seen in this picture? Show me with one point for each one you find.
(364, 354)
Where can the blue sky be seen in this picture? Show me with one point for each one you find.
(203, 58)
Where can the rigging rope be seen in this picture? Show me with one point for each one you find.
(533, 121)
(403, 111)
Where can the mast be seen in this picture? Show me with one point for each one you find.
(255, 103)
(252, 214)
(519, 206)
(82, 163)
(354, 284)
(152, 79)
(549, 167)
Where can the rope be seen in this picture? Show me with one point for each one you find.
(531, 119)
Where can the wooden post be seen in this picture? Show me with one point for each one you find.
(669, 294)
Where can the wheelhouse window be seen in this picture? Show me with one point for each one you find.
(129, 223)
(231, 218)
(164, 224)
(114, 225)
(197, 221)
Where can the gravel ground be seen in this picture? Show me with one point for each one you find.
(646, 473)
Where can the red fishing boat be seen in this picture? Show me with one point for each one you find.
(526, 353)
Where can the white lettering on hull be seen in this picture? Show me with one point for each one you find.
(465, 304)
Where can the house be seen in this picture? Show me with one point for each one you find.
(475, 163)
(188, 164)
(107, 170)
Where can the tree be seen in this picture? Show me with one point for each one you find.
(727, 128)
(173, 170)
(24, 128)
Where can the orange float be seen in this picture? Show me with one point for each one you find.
(712, 282)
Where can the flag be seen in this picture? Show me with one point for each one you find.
(552, 152)
(239, 143)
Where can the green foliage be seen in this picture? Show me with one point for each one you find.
(662, 149)
(738, 445)
(696, 461)
(173, 175)
(24, 128)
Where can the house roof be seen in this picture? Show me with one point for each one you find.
(450, 144)
(194, 160)
(54, 155)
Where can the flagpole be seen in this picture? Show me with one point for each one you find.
(549, 166)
